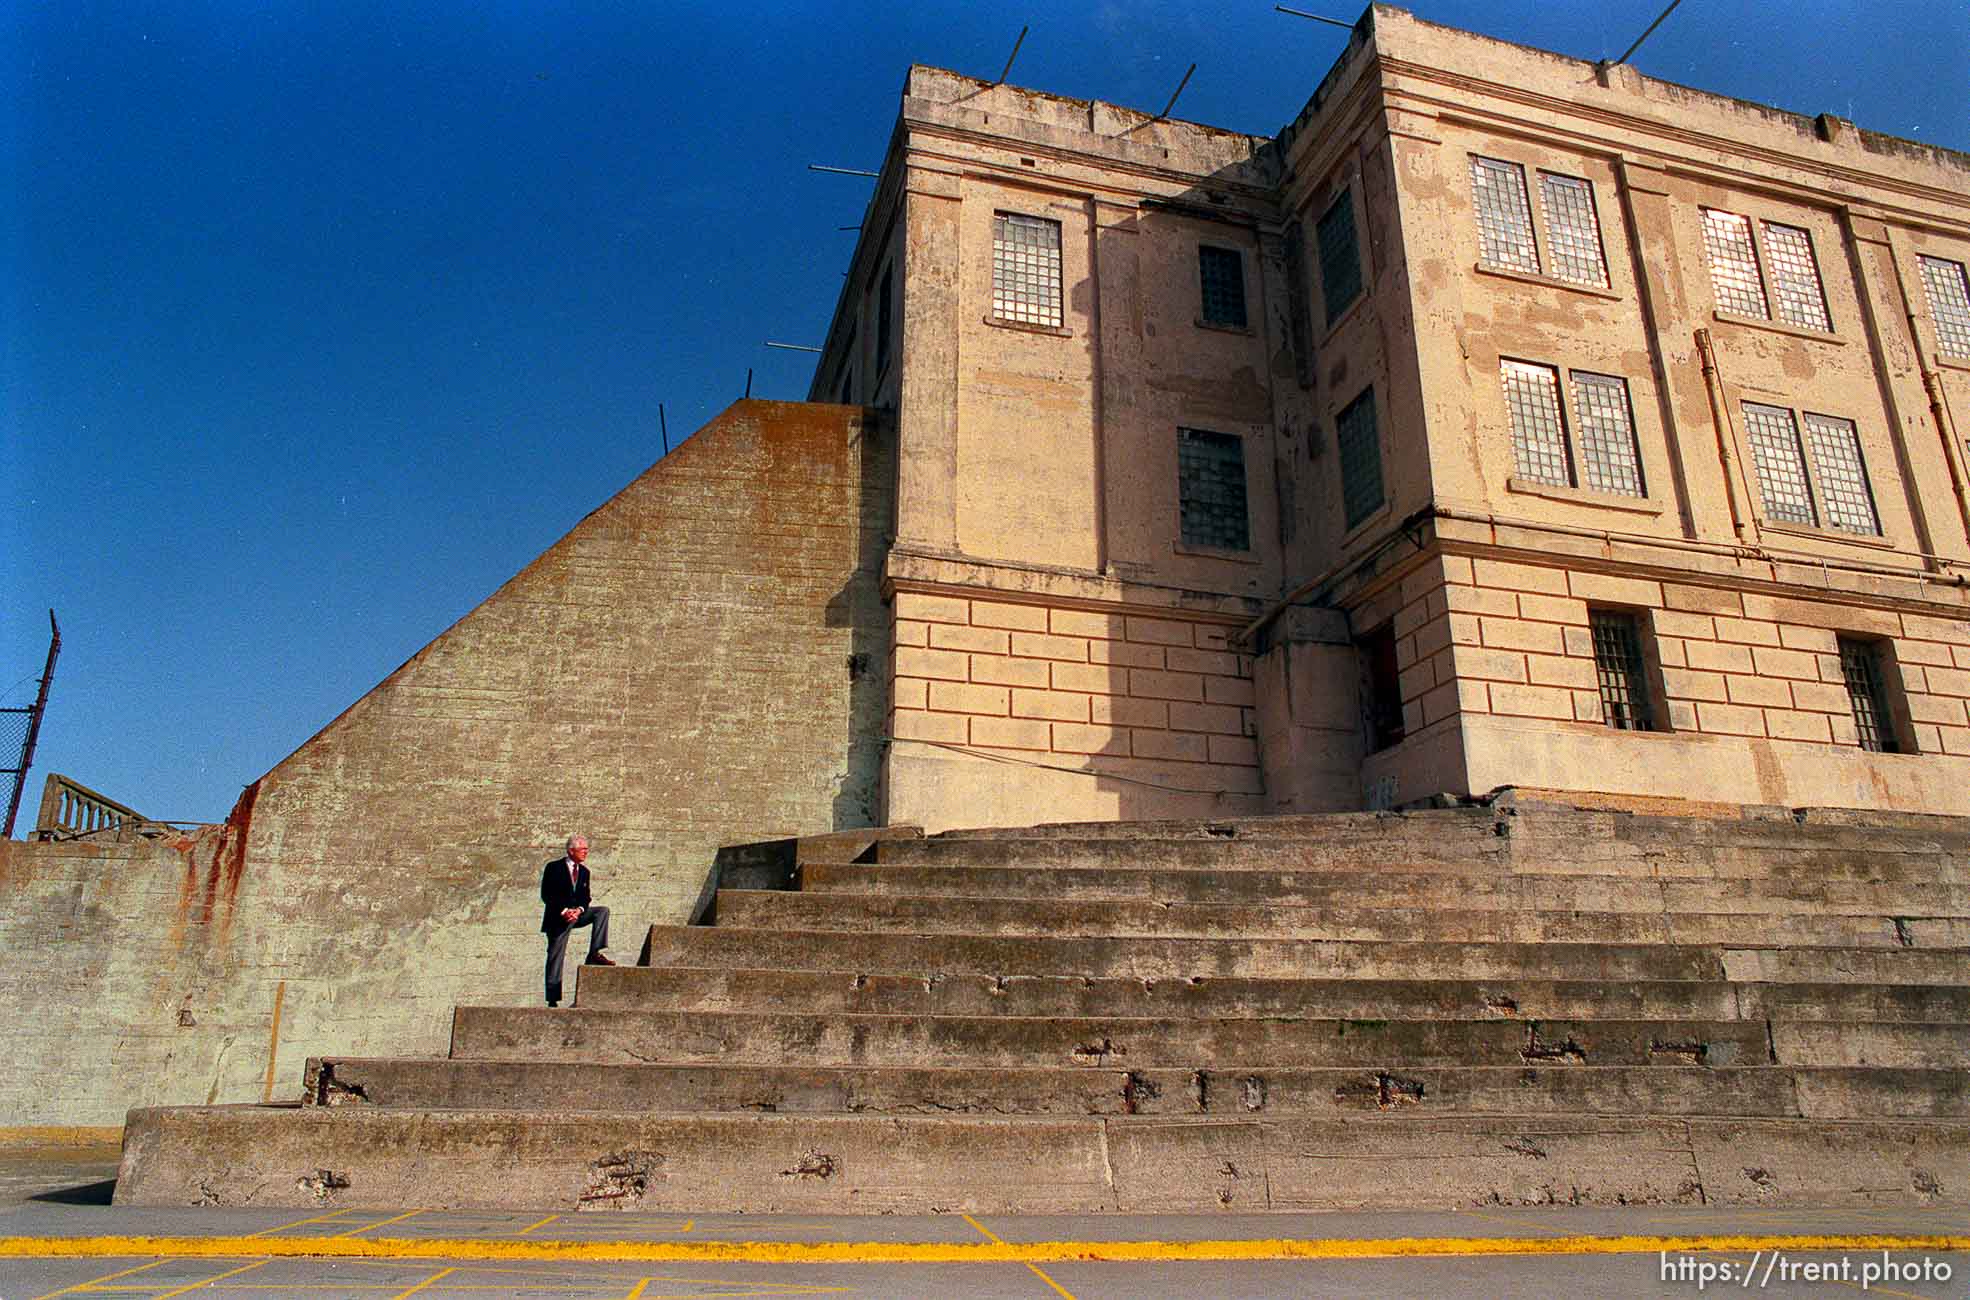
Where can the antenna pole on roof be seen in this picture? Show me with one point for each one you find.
(748, 381)
(841, 171)
(791, 347)
(1301, 13)
(663, 427)
(1645, 35)
(1010, 57)
(1173, 97)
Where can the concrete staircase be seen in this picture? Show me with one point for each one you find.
(1500, 1004)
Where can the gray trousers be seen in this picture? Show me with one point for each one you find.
(557, 946)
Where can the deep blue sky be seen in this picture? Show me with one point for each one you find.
(321, 320)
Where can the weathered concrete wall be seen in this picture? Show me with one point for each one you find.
(699, 661)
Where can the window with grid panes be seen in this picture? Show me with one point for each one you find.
(1532, 400)
(1610, 458)
(1222, 273)
(1844, 491)
(1620, 669)
(1860, 664)
(1573, 230)
(1796, 288)
(1949, 304)
(1026, 269)
(1504, 215)
(1739, 281)
(1361, 458)
(1340, 257)
(1781, 463)
(1211, 490)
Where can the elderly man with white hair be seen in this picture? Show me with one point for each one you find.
(564, 908)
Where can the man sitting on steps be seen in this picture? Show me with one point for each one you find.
(565, 907)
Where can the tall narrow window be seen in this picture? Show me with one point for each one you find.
(1573, 229)
(1340, 256)
(1504, 215)
(1949, 304)
(1843, 485)
(1026, 269)
(1532, 399)
(1610, 459)
(1211, 490)
(883, 318)
(1780, 462)
(1621, 670)
(1222, 273)
(1860, 664)
(1733, 264)
(1800, 297)
(1361, 459)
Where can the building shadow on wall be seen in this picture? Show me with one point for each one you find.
(859, 607)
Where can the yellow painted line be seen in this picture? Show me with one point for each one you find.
(641, 1286)
(542, 1224)
(887, 1252)
(441, 1273)
(194, 1286)
(1059, 1289)
(107, 1277)
(379, 1223)
(298, 1223)
(61, 1135)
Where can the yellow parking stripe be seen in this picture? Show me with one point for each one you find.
(883, 1252)
(1061, 1290)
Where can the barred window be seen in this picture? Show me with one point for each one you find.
(1504, 215)
(1026, 269)
(1222, 272)
(1610, 459)
(1733, 264)
(1796, 287)
(1621, 670)
(1340, 256)
(1211, 489)
(1361, 459)
(1844, 491)
(1867, 690)
(1532, 400)
(1573, 230)
(1781, 463)
(1949, 304)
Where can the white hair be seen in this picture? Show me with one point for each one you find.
(574, 840)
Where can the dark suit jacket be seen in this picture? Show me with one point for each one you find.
(556, 893)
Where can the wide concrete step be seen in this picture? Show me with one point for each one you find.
(374, 1157)
(679, 988)
(1888, 869)
(1563, 855)
(1753, 1091)
(1586, 829)
(1488, 891)
(993, 1042)
(862, 952)
(938, 914)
